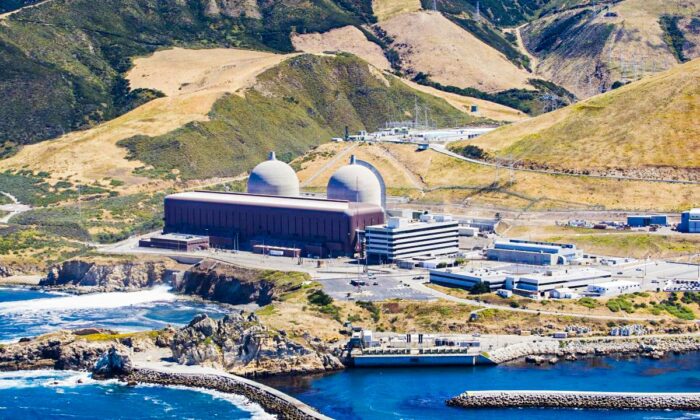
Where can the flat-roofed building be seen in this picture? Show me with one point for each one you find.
(469, 278)
(690, 221)
(534, 253)
(319, 227)
(575, 278)
(614, 288)
(402, 238)
(176, 242)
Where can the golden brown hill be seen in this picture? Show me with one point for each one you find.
(650, 128)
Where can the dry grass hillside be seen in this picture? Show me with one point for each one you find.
(587, 50)
(193, 81)
(648, 127)
(491, 110)
(429, 177)
(428, 42)
(348, 39)
(385, 9)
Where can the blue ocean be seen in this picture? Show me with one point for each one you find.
(352, 394)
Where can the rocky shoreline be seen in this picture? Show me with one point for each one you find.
(572, 349)
(272, 401)
(576, 399)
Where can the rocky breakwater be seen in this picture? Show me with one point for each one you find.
(104, 274)
(229, 283)
(240, 344)
(272, 401)
(571, 349)
(576, 399)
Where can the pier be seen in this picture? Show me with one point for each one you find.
(578, 399)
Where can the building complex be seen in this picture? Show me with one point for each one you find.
(533, 253)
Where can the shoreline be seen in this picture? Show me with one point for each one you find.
(654, 347)
(271, 400)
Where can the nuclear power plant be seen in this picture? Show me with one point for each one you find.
(272, 217)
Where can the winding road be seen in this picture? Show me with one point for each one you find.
(442, 148)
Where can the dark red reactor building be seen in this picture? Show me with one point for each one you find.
(317, 227)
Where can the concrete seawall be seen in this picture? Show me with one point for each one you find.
(577, 399)
(270, 399)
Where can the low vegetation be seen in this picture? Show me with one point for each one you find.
(34, 189)
(673, 36)
(104, 220)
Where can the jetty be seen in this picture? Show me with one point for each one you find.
(271, 400)
(578, 399)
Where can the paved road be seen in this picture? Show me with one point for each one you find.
(441, 148)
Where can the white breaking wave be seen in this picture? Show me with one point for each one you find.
(239, 401)
(90, 301)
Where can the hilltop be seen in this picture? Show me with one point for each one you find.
(648, 128)
(589, 49)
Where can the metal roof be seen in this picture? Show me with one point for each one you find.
(301, 203)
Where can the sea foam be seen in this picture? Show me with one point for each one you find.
(89, 301)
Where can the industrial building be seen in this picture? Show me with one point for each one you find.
(273, 218)
(535, 285)
(542, 283)
(533, 253)
(401, 238)
(690, 221)
(467, 279)
(176, 242)
(614, 288)
(647, 220)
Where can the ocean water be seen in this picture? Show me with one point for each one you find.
(59, 395)
(25, 312)
(389, 393)
(420, 393)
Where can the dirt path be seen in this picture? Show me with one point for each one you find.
(8, 14)
(534, 62)
(13, 209)
(415, 179)
(329, 164)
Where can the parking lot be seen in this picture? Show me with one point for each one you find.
(372, 288)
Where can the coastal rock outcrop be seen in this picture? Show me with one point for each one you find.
(242, 345)
(106, 275)
(228, 283)
(112, 364)
(62, 350)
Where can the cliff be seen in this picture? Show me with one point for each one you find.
(228, 283)
(107, 275)
(242, 345)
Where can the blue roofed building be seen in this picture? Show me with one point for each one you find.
(690, 221)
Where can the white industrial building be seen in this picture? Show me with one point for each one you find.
(532, 252)
(535, 285)
(543, 282)
(614, 288)
(401, 238)
(564, 293)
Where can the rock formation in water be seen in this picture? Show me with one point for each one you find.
(112, 364)
(107, 275)
(228, 283)
(242, 345)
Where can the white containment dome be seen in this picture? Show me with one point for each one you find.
(273, 177)
(355, 183)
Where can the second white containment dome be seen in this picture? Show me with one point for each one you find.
(273, 177)
(355, 183)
